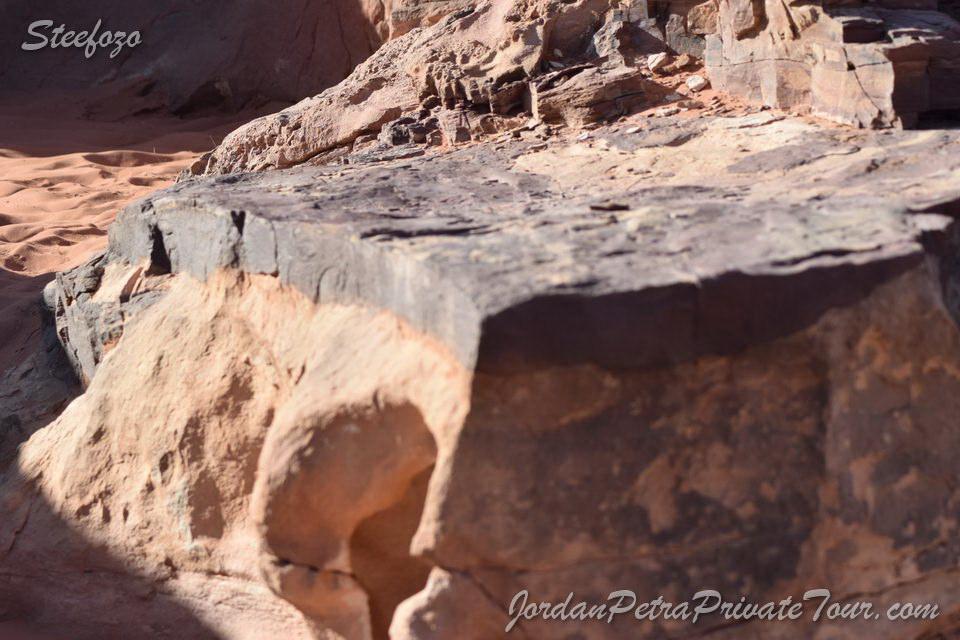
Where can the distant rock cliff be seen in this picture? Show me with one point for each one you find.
(861, 63)
(224, 54)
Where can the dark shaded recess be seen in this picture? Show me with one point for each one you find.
(380, 555)
(42, 606)
(208, 97)
(941, 119)
(657, 327)
(159, 258)
(50, 363)
(951, 8)
(944, 252)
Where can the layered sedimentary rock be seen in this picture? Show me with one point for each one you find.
(406, 15)
(482, 61)
(193, 57)
(864, 64)
(333, 401)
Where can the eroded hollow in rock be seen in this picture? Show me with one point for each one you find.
(380, 555)
(339, 517)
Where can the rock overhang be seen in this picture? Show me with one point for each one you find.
(514, 267)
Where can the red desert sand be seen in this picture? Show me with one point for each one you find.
(62, 180)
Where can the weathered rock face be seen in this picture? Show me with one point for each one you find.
(406, 15)
(481, 60)
(857, 63)
(190, 450)
(583, 95)
(221, 53)
(583, 61)
(392, 395)
(380, 399)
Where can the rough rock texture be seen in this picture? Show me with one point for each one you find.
(483, 59)
(859, 63)
(194, 55)
(583, 95)
(437, 380)
(406, 15)
(655, 25)
(34, 392)
(177, 487)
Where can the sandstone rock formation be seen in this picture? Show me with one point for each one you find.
(406, 15)
(865, 64)
(582, 61)
(480, 59)
(377, 393)
(233, 55)
(389, 395)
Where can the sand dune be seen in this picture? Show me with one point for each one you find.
(62, 180)
(55, 209)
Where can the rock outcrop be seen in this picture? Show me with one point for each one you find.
(859, 63)
(477, 61)
(391, 395)
(33, 393)
(586, 61)
(385, 389)
(406, 15)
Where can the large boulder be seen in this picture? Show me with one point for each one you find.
(394, 394)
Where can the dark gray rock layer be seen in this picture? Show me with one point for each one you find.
(508, 266)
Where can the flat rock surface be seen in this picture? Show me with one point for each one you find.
(496, 237)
